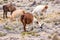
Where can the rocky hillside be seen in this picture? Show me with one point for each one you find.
(14, 30)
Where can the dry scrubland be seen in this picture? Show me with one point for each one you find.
(14, 30)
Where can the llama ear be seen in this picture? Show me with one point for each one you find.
(24, 12)
(46, 7)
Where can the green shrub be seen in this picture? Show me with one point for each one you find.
(2, 34)
(30, 33)
(5, 0)
(8, 28)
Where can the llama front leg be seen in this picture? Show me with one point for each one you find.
(4, 15)
(11, 12)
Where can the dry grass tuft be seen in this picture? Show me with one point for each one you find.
(30, 33)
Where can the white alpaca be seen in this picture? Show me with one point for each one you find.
(39, 9)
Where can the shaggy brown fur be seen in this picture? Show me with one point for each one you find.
(26, 18)
(8, 8)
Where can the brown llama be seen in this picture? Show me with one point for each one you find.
(26, 18)
(8, 8)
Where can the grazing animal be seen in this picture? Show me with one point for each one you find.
(17, 14)
(8, 8)
(40, 9)
(28, 18)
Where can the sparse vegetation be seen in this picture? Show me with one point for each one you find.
(30, 33)
(5, 0)
(8, 28)
(2, 34)
(55, 37)
(51, 21)
(47, 21)
(51, 0)
(49, 37)
(1, 2)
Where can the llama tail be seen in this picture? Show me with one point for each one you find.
(46, 7)
(22, 17)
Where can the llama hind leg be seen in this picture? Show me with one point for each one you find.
(24, 24)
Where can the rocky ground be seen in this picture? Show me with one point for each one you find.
(14, 30)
